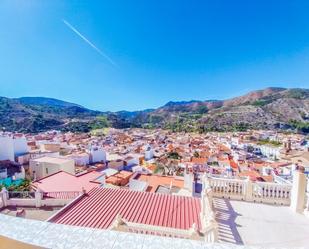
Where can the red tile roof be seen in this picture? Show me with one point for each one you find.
(199, 160)
(233, 164)
(154, 181)
(252, 174)
(99, 208)
(120, 179)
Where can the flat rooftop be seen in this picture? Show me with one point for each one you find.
(63, 181)
(261, 225)
(33, 213)
(57, 160)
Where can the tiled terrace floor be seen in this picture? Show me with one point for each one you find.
(261, 225)
(50, 235)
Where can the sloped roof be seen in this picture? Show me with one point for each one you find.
(100, 207)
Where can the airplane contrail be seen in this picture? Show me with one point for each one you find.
(88, 42)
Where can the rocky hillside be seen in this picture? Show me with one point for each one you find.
(40, 114)
(271, 108)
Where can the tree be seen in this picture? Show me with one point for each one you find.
(174, 155)
(196, 154)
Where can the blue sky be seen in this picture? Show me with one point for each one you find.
(132, 55)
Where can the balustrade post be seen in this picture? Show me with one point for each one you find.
(248, 190)
(306, 212)
(5, 196)
(38, 198)
(298, 191)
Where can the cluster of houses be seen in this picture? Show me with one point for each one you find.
(120, 157)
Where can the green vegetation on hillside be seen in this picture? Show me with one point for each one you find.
(99, 123)
(298, 93)
(261, 102)
(269, 142)
(300, 126)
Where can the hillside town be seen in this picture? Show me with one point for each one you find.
(152, 181)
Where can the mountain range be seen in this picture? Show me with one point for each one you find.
(270, 108)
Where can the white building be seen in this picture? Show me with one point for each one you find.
(45, 166)
(6, 148)
(80, 159)
(97, 154)
(12, 146)
(20, 146)
(133, 160)
(270, 151)
(148, 152)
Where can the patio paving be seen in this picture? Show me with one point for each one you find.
(256, 224)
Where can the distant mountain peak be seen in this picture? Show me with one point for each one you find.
(44, 101)
(176, 103)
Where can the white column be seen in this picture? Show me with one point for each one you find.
(298, 191)
(248, 190)
(38, 198)
(5, 196)
(188, 183)
(306, 212)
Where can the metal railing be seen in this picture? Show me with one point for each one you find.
(21, 194)
(44, 195)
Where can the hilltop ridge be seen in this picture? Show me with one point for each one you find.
(270, 108)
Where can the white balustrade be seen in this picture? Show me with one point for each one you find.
(158, 230)
(38, 199)
(272, 193)
(227, 188)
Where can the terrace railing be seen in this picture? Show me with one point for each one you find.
(272, 193)
(228, 188)
(37, 199)
(21, 194)
(159, 230)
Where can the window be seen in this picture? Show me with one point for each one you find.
(2, 170)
